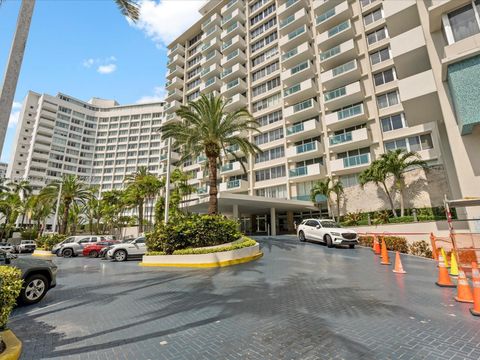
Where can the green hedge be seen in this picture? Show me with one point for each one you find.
(192, 231)
(29, 234)
(46, 242)
(240, 244)
(10, 286)
(394, 243)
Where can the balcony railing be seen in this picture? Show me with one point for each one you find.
(306, 147)
(232, 54)
(287, 21)
(290, 3)
(330, 52)
(232, 27)
(210, 81)
(291, 90)
(232, 184)
(335, 93)
(325, 16)
(226, 72)
(350, 111)
(226, 167)
(295, 129)
(303, 105)
(290, 53)
(297, 32)
(344, 68)
(299, 171)
(356, 160)
(341, 138)
(299, 67)
(340, 27)
(232, 83)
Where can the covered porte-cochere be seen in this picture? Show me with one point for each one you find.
(260, 215)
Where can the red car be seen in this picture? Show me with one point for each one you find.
(94, 249)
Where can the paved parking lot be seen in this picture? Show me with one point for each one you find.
(300, 301)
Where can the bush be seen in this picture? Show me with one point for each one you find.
(46, 242)
(192, 231)
(10, 286)
(353, 218)
(394, 243)
(240, 244)
(29, 234)
(421, 248)
(401, 219)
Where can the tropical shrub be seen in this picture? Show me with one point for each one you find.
(394, 243)
(240, 244)
(401, 219)
(420, 248)
(10, 286)
(192, 231)
(381, 217)
(353, 218)
(46, 242)
(29, 234)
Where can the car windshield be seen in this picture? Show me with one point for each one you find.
(330, 224)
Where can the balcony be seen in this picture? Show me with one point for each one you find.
(236, 86)
(237, 42)
(304, 151)
(410, 53)
(400, 16)
(303, 110)
(235, 71)
(350, 164)
(176, 49)
(348, 116)
(236, 56)
(176, 60)
(174, 157)
(203, 190)
(340, 75)
(171, 118)
(211, 33)
(297, 55)
(352, 139)
(175, 71)
(172, 106)
(340, 97)
(175, 83)
(328, 18)
(295, 37)
(235, 29)
(290, 6)
(236, 15)
(293, 21)
(320, 6)
(212, 44)
(174, 94)
(232, 5)
(338, 55)
(298, 73)
(297, 92)
(212, 84)
(305, 173)
(234, 186)
(237, 101)
(337, 34)
(215, 19)
(304, 130)
(211, 58)
(230, 169)
(212, 70)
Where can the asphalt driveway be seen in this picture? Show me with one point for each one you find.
(300, 301)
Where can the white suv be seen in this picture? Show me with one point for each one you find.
(327, 231)
(123, 251)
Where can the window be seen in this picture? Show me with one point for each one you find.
(412, 143)
(267, 86)
(388, 99)
(265, 71)
(262, 15)
(269, 136)
(377, 35)
(349, 180)
(265, 56)
(262, 28)
(271, 154)
(384, 77)
(272, 173)
(366, 2)
(278, 192)
(265, 103)
(270, 118)
(462, 23)
(372, 16)
(379, 56)
(393, 122)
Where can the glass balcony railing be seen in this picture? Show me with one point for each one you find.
(232, 184)
(303, 105)
(344, 68)
(211, 30)
(226, 167)
(350, 111)
(341, 138)
(306, 147)
(335, 93)
(339, 28)
(226, 72)
(205, 71)
(210, 55)
(232, 54)
(295, 129)
(201, 159)
(233, 148)
(292, 90)
(325, 16)
(227, 44)
(287, 21)
(330, 52)
(231, 3)
(202, 190)
(290, 3)
(356, 160)
(299, 171)
(210, 81)
(233, 83)
(232, 27)
(297, 32)
(289, 54)
(226, 19)
(302, 197)
(299, 67)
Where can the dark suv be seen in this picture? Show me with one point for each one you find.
(38, 276)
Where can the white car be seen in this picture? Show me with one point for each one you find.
(327, 231)
(7, 247)
(123, 251)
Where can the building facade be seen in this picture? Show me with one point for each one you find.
(334, 84)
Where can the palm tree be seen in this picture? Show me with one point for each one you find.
(396, 163)
(337, 189)
(112, 205)
(93, 209)
(206, 128)
(322, 188)
(376, 173)
(23, 189)
(128, 8)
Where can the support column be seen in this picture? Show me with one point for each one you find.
(236, 215)
(290, 226)
(273, 222)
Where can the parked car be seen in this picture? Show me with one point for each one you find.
(39, 276)
(7, 247)
(93, 250)
(132, 249)
(73, 245)
(26, 246)
(327, 231)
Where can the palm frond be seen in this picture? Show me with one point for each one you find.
(128, 8)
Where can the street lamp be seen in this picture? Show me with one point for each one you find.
(57, 207)
(167, 182)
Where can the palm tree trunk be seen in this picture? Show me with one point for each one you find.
(213, 202)
(140, 216)
(330, 209)
(338, 208)
(401, 189)
(63, 230)
(390, 200)
(7, 92)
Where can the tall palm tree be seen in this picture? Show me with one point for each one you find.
(128, 8)
(337, 189)
(396, 163)
(112, 205)
(207, 128)
(23, 188)
(377, 174)
(322, 188)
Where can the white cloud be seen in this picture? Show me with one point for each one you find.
(107, 69)
(158, 95)
(14, 115)
(164, 20)
(88, 62)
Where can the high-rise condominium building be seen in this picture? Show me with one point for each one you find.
(100, 140)
(334, 84)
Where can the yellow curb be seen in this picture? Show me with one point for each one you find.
(42, 254)
(208, 265)
(13, 346)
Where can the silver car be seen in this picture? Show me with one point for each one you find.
(73, 246)
(7, 247)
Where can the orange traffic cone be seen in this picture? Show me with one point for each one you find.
(398, 264)
(464, 294)
(376, 245)
(443, 277)
(476, 290)
(385, 259)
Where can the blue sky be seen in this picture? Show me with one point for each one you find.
(87, 48)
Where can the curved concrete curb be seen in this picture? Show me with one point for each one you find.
(42, 253)
(217, 259)
(13, 346)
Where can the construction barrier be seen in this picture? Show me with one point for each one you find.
(465, 246)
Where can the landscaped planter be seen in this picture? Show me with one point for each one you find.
(42, 253)
(214, 259)
(13, 346)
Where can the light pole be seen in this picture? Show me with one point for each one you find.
(167, 182)
(57, 207)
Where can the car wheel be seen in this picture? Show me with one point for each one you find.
(93, 254)
(301, 236)
(35, 288)
(351, 246)
(328, 240)
(120, 255)
(67, 253)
